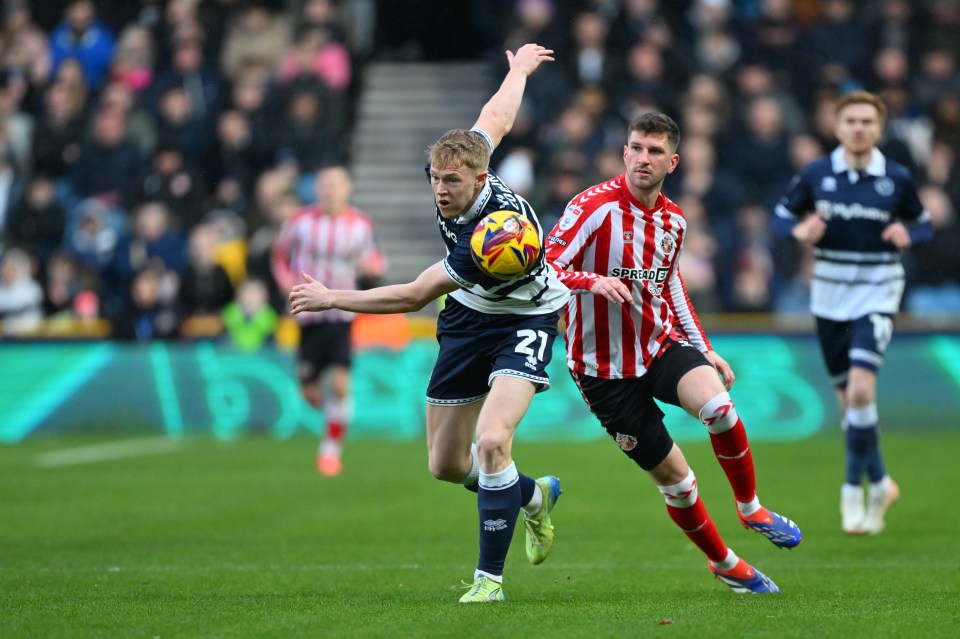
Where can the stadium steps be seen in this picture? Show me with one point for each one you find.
(404, 107)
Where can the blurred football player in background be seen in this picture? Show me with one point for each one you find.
(853, 209)
(335, 241)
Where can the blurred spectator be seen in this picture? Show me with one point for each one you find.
(65, 280)
(231, 242)
(279, 206)
(308, 132)
(153, 243)
(205, 287)
(21, 296)
(151, 314)
(935, 283)
(83, 37)
(138, 122)
(716, 188)
(11, 189)
(24, 48)
(176, 184)
(16, 126)
(587, 59)
(37, 221)
(698, 259)
(95, 239)
(257, 30)
(773, 36)
(899, 25)
(133, 64)
(109, 164)
(716, 47)
(60, 132)
(238, 155)
(939, 75)
(250, 321)
(753, 272)
(837, 42)
(759, 156)
(201, 83)
(319, 56)
(177, 126)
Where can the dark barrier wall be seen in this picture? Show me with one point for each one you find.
(208, 389)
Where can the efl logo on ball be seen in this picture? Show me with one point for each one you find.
(505, 245)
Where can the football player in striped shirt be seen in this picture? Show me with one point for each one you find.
(858, 210)
(632, 337)
(495, 338)
(335, 241)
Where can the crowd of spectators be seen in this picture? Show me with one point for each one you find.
(150, 149)
(752, 85)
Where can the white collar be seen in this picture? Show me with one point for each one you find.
(877, 166)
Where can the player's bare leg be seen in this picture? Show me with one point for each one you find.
(336, 411)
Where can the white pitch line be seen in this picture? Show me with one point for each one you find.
(106, 452)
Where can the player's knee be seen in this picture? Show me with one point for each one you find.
(491, 445)
(682, 494)
(311, 393)
(859, 395)
(719, 414)
(447, 469)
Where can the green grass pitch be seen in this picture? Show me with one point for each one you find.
(244, 539)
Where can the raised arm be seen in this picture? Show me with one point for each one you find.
(395, 298)
(497, 116)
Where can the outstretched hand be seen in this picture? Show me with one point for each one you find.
(312, 296)
(528, 58)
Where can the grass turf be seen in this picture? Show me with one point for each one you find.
(244, 539)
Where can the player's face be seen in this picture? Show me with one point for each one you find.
(454, 189)
(858, 128)
(648, 158)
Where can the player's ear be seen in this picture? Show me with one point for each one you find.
(482, 178)
(673, 162)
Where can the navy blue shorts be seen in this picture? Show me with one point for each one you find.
(476, 347)
(861, 342)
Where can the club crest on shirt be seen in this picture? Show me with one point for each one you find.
(628, 236)
(626, 442)
(883, 186)
(666, 244)
(828, 183)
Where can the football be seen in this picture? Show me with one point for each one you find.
(505, 245)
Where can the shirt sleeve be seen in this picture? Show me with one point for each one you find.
(564, 246)
(795, 203)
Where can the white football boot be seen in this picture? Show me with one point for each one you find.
(852, 511)
(880, 496)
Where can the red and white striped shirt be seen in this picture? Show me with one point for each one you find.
(334, 249)
(605, 231)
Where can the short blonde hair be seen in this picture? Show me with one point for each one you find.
(861, 97)
(460, 148)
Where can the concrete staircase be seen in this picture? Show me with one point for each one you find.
(404, 107)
